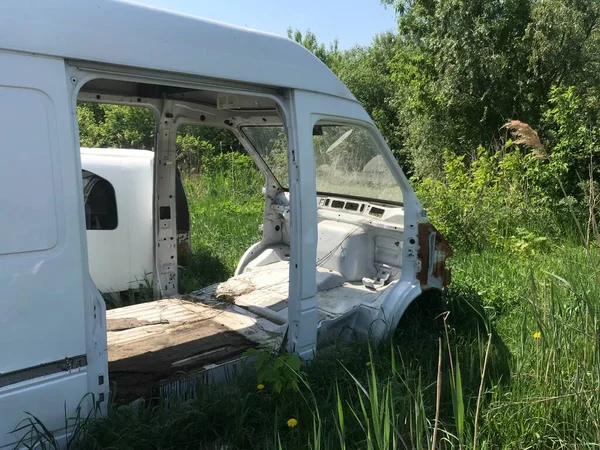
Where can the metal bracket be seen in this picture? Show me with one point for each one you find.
(383, 274)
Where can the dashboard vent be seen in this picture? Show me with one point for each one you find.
(377, 212)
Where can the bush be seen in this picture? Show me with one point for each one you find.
(571, 129)
(495, 199)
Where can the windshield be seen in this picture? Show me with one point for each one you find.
(347, 160)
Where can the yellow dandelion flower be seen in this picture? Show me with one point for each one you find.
(292, 423)
(260, 386)
(368, 364)
(537, 335)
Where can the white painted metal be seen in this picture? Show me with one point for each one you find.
(123, 258)
(47, 312)
(165, 213)
(302, 310)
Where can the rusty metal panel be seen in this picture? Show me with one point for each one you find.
(434, 250)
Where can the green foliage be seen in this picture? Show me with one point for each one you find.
(368, 73)
(573, 135)
(309, 40)
(226, 206)
(102, 125)
(192, 151)
(467, 67)
(494, 199)
(233, 164)
(271, 144)
(222, 139)
(279, 372)
(210, 150)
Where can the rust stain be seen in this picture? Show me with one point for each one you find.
(442, 251)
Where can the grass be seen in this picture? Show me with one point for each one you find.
(225, 214)
(516, 363)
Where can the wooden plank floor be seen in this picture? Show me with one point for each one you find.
(158, 341)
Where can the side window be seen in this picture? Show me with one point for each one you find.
(100, 203)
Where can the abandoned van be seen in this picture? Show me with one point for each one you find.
(345, 241)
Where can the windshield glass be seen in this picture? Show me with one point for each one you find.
(271, 144)
(348, 162)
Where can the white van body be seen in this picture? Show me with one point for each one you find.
(329, 257)
(122, 258)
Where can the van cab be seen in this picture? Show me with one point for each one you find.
(345, 241)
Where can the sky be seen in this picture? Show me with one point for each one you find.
(351, 22)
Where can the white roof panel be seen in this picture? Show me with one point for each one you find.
(128, 34)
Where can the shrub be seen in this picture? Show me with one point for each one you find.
(495, 199)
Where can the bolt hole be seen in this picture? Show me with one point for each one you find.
(139, 100)
(412, 241)
(277, 228)
(202, 118)
(97, 97)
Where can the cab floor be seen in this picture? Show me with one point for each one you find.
(156, 342)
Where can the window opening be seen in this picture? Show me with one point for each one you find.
(100, 202)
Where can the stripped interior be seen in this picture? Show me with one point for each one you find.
(359, 250)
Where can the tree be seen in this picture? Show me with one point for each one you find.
(328, 56)
(465, 67)
(102, 125)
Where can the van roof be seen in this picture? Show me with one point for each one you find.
(127, 34)
(118, 152)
